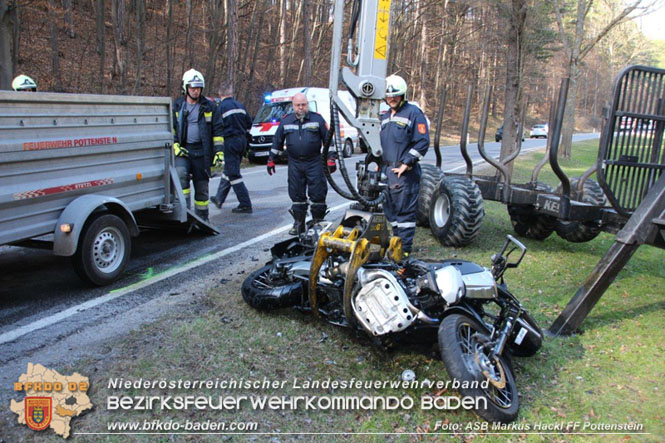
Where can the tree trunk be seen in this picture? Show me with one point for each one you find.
(55, 56)
(119, 64)
(69, 21)
(140, 42)
(231, 41)
(514, 71)
(101, 42)
(215, 13)
(189, 46)
(307, 50)
(169, 45)
(282, 41)
(6, 65)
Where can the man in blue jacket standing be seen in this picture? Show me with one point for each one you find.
(304, 133)
(405, 140)
(236, 124)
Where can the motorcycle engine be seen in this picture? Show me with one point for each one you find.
(381, 306)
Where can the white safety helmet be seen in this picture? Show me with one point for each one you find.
(395, 86)
(24, 83)
(193, 79)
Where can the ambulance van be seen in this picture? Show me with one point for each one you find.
(279, 103)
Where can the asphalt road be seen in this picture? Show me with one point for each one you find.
(47, 313)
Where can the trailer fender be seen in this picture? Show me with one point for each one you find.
(77, 213)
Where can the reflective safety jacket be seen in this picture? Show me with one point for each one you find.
(303, 139)
(404, 136)
(235, 117)
(210, 128)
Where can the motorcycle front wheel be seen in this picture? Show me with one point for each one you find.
(265, 291)
(461, 341)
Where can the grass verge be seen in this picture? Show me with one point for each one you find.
(610, 373)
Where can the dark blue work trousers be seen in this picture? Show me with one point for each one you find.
(234, 149)
(306, 178)
(401, 204)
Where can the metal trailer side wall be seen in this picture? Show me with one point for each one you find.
(57, 147)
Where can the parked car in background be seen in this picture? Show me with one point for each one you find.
(540, 130)
(499, 134)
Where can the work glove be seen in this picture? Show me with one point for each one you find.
(332, 165)
(270, 166)
(179, 151)
(218, 161)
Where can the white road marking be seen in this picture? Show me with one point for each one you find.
(57, 317)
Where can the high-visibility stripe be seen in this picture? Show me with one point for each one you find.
(224, 177)
(208, 116)
(177, 114)
(415, 153)
(402, 120)
(233, 111)
(235, 182)
(311, 125)
(300, 203)
(186, 191)
(406, 225)
(218, 140)
(289, 127)
(275, 151)
(198, 203)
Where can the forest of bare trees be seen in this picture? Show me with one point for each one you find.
(521, 48)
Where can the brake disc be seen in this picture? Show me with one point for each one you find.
(484, 362)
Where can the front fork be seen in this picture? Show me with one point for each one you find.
(503, 329)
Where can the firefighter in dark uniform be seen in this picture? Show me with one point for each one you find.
(236, 124)
(304, 133)
(405, 140)
(197, 126)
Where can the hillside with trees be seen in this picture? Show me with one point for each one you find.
(521, 48)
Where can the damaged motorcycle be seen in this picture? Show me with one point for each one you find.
(355, 277)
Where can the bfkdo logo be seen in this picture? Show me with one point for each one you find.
(51, 399)
(38, 412)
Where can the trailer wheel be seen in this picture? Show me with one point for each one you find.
(429, 180)
(578, 232)
(535, 226)
(103, 249)
(456, 211)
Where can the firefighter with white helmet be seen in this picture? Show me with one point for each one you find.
(405, 140)
(24, 83)
(198, 144)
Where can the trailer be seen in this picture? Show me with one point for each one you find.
(81, 174)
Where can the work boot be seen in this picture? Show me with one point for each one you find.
(216, 202)
(298, 223)
(242, 210)
(202, 213)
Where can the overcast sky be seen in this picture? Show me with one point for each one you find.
(653, 25)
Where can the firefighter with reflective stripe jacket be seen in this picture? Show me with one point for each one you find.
(405, 140)
(237, 123)
(304, 133)
(197, 126)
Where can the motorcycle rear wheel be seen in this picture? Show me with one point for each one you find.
(265, 292)
(460, 343)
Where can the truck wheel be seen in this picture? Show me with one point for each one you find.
(348, 148)
(456, 211)
(535, 226)
(429, 180)
(575, 231)
(103, 249)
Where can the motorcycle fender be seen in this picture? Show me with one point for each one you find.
(465, 310)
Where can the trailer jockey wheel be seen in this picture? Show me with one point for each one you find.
(103, 250)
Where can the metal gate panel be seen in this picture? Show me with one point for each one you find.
(631, 157)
